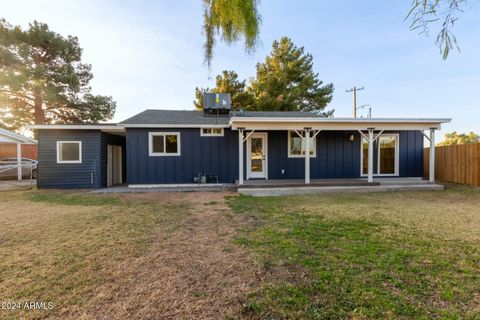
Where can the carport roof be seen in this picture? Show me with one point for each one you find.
(12, 137)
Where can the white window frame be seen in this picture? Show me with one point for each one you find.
(397, 156)
(69, 161)
(202, 134)
(163, 154)
(314, 142)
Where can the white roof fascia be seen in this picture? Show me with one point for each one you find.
(340, 120)
(271, 123)
(176, 125)
(76, 126)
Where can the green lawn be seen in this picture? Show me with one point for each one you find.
(361, 256)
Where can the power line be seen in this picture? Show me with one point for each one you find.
(354, 90)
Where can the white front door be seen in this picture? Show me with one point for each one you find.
(257, 156)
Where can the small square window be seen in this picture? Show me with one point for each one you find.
(164, 143)
(211, 132)
(69, 152)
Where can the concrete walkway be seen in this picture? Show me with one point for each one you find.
(170, 188)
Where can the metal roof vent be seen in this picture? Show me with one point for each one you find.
(216, 103)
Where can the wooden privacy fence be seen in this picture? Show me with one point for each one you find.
(455, 163)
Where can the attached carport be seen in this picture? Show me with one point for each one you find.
(9, 137)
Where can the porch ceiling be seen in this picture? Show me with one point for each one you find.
(335, 123)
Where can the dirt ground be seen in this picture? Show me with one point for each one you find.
(195, 272)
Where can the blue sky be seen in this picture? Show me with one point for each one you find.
(148, 54)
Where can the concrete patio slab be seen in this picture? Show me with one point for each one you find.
(283, 191)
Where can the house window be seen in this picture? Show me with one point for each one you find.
(69, 152)
(296, 144)
(385, 149)
(211, 132)
(164, 143)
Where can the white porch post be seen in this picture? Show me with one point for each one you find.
(432, 156)
(19, 161)
(240, 156)
(370, 154)
(307, 155)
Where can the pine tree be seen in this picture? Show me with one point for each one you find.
(42, 79)
(286, 81)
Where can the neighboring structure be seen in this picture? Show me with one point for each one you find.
(16, 145)
(158, 147)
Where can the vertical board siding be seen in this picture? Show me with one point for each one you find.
(336, 157)
(217, 156)
(411, 154)
(106, 139)
(455, 163)
(68, 175)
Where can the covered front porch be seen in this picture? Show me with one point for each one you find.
(365, 150)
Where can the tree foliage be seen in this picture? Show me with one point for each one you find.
(231, 20)
(443, 13)
(227, 82)
(285, 81)
(454, 138)
(42, 79)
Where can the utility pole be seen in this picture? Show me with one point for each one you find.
(354, 90)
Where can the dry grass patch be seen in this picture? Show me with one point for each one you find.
(124, 256)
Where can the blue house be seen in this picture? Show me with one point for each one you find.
(166, 147)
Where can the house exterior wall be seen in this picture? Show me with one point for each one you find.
(68, 175)
(336, 157)
(211, 155)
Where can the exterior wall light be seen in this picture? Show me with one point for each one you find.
(351, 137)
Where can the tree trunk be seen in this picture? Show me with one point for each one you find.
(38, 103)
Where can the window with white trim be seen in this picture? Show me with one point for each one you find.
(211, 132)
(296, 144)
(69, 151)
(164, 143)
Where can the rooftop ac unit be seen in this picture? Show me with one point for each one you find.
(216, 103)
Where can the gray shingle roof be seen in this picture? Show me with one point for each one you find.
(174, 117)
(151, 116)
(275, 114)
